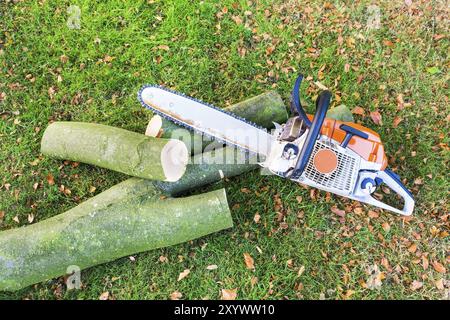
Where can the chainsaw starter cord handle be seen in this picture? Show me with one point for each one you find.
(295, 100)
(322, 103)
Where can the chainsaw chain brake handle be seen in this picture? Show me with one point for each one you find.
(322, 103)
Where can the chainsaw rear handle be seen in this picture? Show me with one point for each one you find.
(392, 181)
(322, 103)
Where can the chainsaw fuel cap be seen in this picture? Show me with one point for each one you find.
(325, 161)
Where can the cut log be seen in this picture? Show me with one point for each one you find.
(116, 149)
(209, 167)
(123, 220)
(263, 110)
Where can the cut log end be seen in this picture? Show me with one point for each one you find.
(174, 159)
(154, 127)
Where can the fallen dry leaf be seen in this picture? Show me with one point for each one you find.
(249, 262)
(439, 284)
(183, 274)
(386, 227)
(416, 285)
(50, 179)
(16, 219)
(212, 267)
(425, 263)
(229, 294)
(388, 43)
(256, 218)
(375, 277)
(412, 248)
(396, 122)
(373, 214)
(376, 117)
(301, 270)
(358, 110)
(439, 267)
(337, 211)
(104, 296)
(108, 58)
(2, 214)
(176, 295)
(63, 58)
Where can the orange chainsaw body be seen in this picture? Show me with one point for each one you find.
(370, 149)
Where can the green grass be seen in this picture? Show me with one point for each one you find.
(206, 61)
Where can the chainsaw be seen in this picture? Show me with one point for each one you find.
(343, 158)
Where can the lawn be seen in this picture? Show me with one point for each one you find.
(391, 58)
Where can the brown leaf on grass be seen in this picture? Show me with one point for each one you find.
(50, 179)
(2, 214)
(376, 117)
(412, 248)
(245, 190)
(439, 267)
(249, 262)
(63, 58)
(439, 284)
(400, 102)
(104, 296)
(425, 263)
(386, 227)
(346, 67)
(269, 50)
(229, 294)
(358, 110)
(183, 274)
(176, 295)
(163, 47)
(237, 20)
(256, 218)
(300, 271)
(396, 122)
(373, 214)
(212, 267)
(337, 211)
(16, 219)
(375, 277)
(416, 285)
(388, 43)
(108, 59)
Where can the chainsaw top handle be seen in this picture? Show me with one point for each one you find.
(296, 105)
(322, 103)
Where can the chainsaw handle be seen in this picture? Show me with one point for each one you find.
(296, 105)
(322, 103)
(393, 182)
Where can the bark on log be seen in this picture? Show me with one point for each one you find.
(209, 167)
(263, 110)
(118, 222)
(116, 149)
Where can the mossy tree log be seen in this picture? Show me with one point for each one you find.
(116, 149)
(123, 220)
